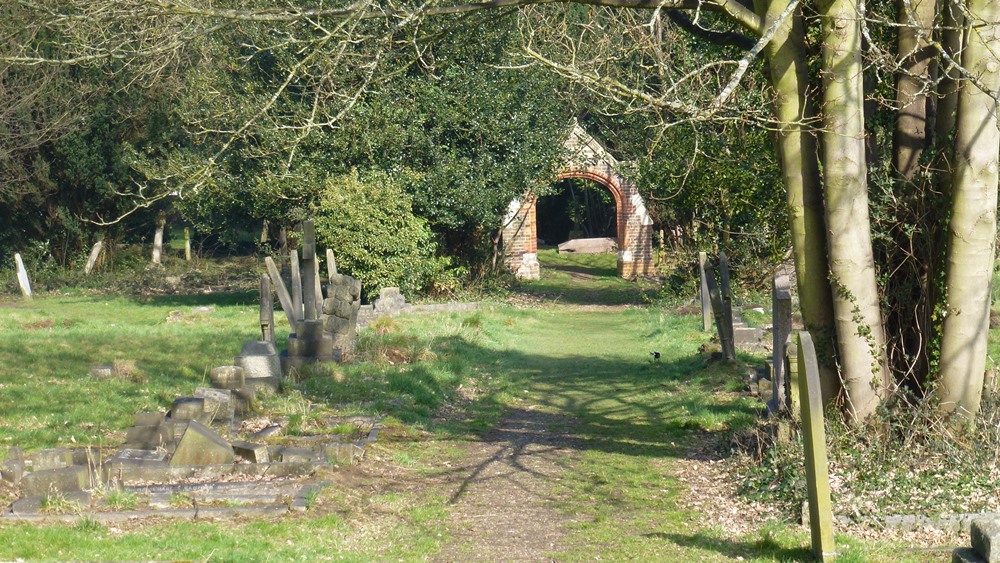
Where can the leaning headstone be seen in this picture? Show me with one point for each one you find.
(283, 296)
(201, 446)
(781, 321)
(22, 277)
(218, 404)
(706, 300)
(720, 318)
(95, 253)
(187, 408)
(814, 444)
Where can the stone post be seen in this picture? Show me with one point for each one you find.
(95, 253)
(706, 300)
(309, 280)
(331, 265)
(814, 444)
(161, 223)
(283, 297)
(22, 277)
(792, 378)
(187, 244)
(727, 302)
(266, 309)
(318, 289)
(781, 321)
(296, 285)
(720, 321)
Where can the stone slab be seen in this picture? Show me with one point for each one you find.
(218, 403)
(148, 418)
(201, 446)
(986, 538)
(309, 330)
(187, 408)
(52, 458)
(12, 471)
(149, 437)
(63, 480)
(343, 453)
(294, 455)
(600, 245)
(227, 377)
(245, 398)
(254, 453)
(319, 348)
(966, 555)
(256, 366)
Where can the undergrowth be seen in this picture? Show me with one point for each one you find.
(907, 460)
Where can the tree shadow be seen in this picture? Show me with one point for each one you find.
(764, 547)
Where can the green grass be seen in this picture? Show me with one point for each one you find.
(583, 279)
(634, 420)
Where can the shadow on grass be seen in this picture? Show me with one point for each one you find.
(764, 547)
(228, 299)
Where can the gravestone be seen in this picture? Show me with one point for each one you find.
(296, 287)
(266, 309)
(814, 446)
(727, 304)
(390, 302)
(261, 364)
(706, 300)
(720, 318)
(283, 296)
(781, 321)
(95, 253)
(309, 281)
(201, 446)
(22, 277)
(601, 245)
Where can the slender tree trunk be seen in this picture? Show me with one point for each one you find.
(798, 155)
(973, 228)
(855, 292)
(915, 248)
(910, 136)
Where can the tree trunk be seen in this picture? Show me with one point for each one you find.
(915, 249)
(855, 292)
(798, 155)
(972, 232)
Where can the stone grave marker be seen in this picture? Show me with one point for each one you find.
(283, 296)
(706, 299)
(95, 253)
(266, 309)
(814, 445)
(22, 277)
(781, 321)
(201, 446)
(296, 287)
(727, 304)
(720, 320)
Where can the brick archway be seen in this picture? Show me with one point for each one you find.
(589, 160)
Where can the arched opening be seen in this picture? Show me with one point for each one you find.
(576, 208)
(633, 225)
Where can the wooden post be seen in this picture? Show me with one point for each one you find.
(266, 309)
(814, 444)
(781, 322)
(309, 269)
(22, 277)
(296, 285)
(727, 302)
(283, 297)
(187, 244)
(706, 300)
(720, 321)
(95, 253)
